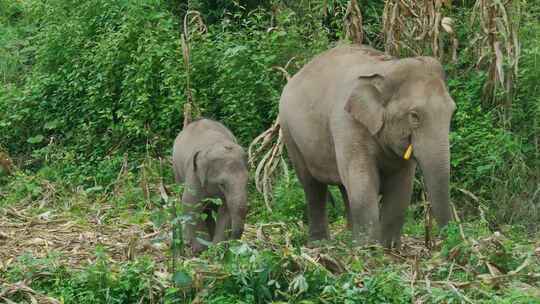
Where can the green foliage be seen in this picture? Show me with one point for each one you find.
(232, 66)
(110, 77)
(109, 80)
(270, 264)
(12, 56)
(526, 104)
(106, 77)
(91, 92)
(488, 159)
(96, 283)
(262, 276)
(289, 201)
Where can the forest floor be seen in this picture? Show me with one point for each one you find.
(112, 244)
(471, 266)
(73, 239)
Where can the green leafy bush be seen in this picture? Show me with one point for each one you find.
(96, 283)
(106, 77)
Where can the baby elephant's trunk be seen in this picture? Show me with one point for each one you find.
(237, 205)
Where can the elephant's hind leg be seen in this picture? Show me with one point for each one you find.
(315, 192)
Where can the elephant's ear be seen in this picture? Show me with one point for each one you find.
(199, 167)
(366, 103)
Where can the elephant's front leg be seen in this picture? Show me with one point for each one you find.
(195, 225)
(396, 190)
(223, 224)
(345, 198)
(363, 190)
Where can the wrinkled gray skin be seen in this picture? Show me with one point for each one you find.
(347, 118)
(210, 164)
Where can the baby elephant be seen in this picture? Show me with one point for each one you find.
(210, 164)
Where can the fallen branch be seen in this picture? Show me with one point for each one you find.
(458, 221)
(9, 290)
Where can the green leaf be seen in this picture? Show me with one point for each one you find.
(299, 284)
(181, 278)
(35, 139)
(158, 218)
(52, 124)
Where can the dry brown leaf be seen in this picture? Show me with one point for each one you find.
(493, 270)
(499, 61)
(36, 241)
(415, 26)
(163, 192)
(447, 23)
(3, 236)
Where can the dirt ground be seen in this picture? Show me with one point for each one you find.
(73, 242)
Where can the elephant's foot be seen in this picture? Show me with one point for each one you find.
(391, 242)
(365, 236)
(318, 234)
(391, 233)
(363, 240)
(315, 243)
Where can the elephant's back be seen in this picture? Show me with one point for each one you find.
(326, 81)
(203, 131)
(204, 127)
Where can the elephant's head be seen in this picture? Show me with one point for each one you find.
(222, 170)
(408, 104)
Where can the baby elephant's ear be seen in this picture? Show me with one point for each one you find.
(366, 104)
(199, 167)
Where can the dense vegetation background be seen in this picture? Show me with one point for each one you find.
(92, 96)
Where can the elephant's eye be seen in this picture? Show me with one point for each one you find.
(414, 119)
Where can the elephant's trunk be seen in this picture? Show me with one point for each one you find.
(434, 161)
(237, 205)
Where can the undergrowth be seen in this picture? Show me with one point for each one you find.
(469, 263)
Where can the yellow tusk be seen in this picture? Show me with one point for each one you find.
(408, 153)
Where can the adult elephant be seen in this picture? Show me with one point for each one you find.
(353, 117)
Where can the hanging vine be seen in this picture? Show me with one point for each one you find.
(191, 17)
(352, 23)
(270, 145)
(497, 44)
(417, 26)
